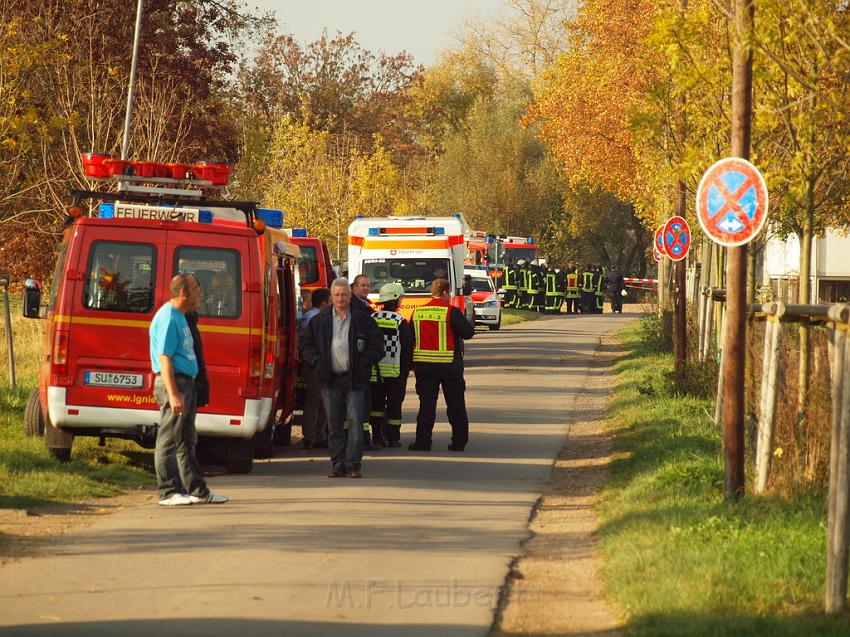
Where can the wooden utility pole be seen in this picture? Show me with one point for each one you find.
(736, 265)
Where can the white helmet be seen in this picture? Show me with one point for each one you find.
(390, 292)
(542, 262)
(535, 262)
(521, 262)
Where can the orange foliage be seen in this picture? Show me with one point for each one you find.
(584, 101)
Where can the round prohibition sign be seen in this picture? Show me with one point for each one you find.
(677, 238)
(732, 202)
(659, 241)
(657, 255)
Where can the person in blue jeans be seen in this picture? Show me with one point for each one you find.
(173, 360)
(342, 345)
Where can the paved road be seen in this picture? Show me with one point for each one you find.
(420, 546)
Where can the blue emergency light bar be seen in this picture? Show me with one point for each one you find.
(272, 218)
(301, 233)
(439, 230)
(106, 210)
(205, 216)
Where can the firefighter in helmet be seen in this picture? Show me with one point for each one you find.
(389, 376)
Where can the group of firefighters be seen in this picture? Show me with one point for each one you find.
(545, 288)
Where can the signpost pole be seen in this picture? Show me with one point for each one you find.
(736, 267)
(680, 303)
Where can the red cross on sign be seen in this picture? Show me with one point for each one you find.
(659, 241)
(732, 202)
(677, 238)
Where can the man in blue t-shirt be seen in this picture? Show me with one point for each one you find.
(172, 351)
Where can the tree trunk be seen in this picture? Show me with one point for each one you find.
(805, 294)
(752, 283)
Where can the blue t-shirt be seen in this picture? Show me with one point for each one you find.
(170, 335)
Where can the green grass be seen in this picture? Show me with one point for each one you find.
(28, 475)
(679, 559)
(512, 316)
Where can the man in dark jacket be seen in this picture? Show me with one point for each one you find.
(616, 285)
(343, 344)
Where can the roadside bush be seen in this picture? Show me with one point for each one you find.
(656, 331)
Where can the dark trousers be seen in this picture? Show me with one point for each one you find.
(429, 378)
(510, 298)
(387, 399)
(617, 302)
(599, 302)
(177, 469)
(553, 303)
(314, 422)
(572, 305)
(588, 302)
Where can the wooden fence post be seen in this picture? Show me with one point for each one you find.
(718, 405)
(839, 467)
(769, 382)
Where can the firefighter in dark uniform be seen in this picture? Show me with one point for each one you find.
(535, 287)
(572, 294)
(510, 275)
(586, 289)
(553, 298)
(522, 283)
(440, 330)
(389, 376)
(561, 282)
(598, 289)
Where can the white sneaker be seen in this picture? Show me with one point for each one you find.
(176, 499)
(211, 498)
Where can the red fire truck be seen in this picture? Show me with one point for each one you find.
(112, 275)
(314, 261)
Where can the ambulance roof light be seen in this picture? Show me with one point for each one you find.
(531, 240)
(439, 230)
(374, 232)
(457, 215)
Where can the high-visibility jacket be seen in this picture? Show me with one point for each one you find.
(600, 284)
(534, 282)
(587, 281)
(522, 280)
(435, 339)
(509, 281)
(552, 284)
(572, 285)
(390, 325)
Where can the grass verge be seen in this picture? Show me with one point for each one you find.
(679, 559)
(512, 316)
(28, 475)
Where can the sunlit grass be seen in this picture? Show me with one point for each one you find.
(679, 559)
(28, 475)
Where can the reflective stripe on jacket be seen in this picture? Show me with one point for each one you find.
(435, 341)
(572, 285)
(587, 281)
(510, 278)
(390, 325)
(551, 284)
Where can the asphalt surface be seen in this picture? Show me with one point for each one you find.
(420, 546)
